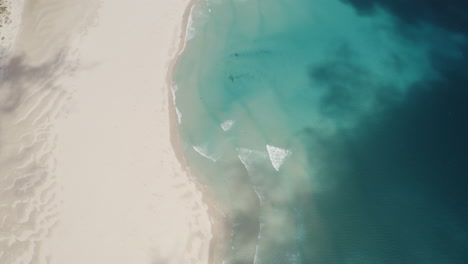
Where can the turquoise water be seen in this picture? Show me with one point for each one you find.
(330, 131)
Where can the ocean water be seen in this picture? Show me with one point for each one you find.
(331, 132)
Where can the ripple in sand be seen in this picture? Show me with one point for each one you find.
(30, 101)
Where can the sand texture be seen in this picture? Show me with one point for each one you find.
(88, 173)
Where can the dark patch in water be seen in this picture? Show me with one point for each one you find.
(399, 180)
(451, 15)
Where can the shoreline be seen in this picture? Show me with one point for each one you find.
(116, 174)
(219, 221)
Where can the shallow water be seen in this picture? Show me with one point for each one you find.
(331, 131)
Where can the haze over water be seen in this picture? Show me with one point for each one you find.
(331, 131)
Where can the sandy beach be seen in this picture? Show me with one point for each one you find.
(89, 173)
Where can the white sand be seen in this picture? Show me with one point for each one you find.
(87, 170)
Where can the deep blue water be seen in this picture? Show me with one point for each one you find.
(331, 131)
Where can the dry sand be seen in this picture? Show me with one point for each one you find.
(10, 20)
(87, 170)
